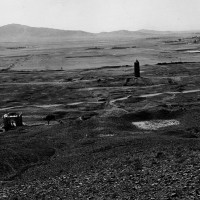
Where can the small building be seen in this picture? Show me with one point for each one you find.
(12, 120)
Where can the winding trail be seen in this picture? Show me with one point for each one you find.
(111, 102)
(173, 93)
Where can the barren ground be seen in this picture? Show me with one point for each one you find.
(99, 151)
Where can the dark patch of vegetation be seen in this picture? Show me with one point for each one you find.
(118, 47)
(16, 48)
(172, 63)
(86, 56)
(95, 48)
(111, 67)
(50, 117)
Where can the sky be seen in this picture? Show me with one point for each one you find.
(103, 15)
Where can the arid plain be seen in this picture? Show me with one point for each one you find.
(115, 136)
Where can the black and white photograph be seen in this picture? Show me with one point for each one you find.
(100, 99)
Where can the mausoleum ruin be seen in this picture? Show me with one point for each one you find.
(12, 120)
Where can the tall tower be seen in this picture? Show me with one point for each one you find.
(137, 68)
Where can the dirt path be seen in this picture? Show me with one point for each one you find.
(111, 102)
(173, 94)
(119, 87)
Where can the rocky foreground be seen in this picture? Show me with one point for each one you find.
(132, 168)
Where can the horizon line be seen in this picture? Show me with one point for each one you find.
(142, 29)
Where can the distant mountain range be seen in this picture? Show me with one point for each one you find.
(22, 33)
(17, 32)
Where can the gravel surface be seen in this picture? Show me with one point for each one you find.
(165, 169)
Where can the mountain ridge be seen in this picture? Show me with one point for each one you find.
(18, 32)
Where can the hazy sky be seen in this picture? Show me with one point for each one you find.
(103, 15)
